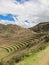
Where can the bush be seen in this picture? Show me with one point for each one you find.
(17, 59)
(42, 47)
(1, 63)
(10, 62)
(46, 39)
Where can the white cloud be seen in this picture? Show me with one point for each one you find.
(6, 22)
(33, 10)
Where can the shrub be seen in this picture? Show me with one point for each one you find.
(1, 63)
(11, 62)
(46, 39)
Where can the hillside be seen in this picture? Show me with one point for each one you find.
(17, 42)
(37, 58)
(41, 27)
(13, 33)
(13, 40)
(40, 55)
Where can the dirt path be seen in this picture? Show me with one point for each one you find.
(44, 57)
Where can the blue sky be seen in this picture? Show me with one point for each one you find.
(8, 17)
(26, 21)
(25, 13)
(21, 1)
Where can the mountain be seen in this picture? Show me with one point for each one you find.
(13, 33)
(16, 42)
(41, 27)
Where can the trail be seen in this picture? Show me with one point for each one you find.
(44, 57)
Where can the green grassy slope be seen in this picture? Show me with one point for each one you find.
(38, 58)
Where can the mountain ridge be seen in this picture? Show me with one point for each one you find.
(41, 27)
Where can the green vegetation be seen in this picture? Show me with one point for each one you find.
(3, 53)
(35, 57)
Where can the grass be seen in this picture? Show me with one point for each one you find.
(3, 53)
(31, 60)
(35, 58)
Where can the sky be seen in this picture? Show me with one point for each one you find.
(25, 13)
